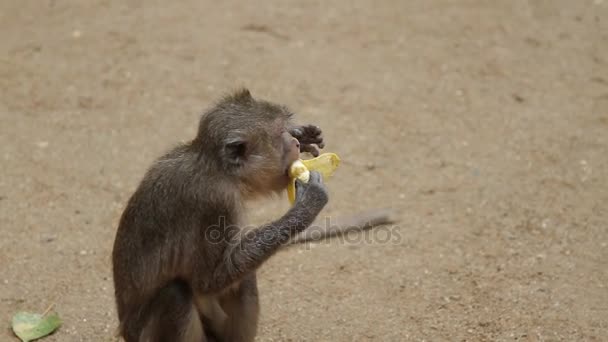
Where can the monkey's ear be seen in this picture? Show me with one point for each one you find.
(236, 152)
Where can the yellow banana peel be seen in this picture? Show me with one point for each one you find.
(325, 164)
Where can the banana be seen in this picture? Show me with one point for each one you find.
(325, 164)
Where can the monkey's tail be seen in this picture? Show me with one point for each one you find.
(358, 222)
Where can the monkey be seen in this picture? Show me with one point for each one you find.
(183, 268)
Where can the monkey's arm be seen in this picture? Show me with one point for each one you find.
(308, 136)
(321, 230)
(247, 251)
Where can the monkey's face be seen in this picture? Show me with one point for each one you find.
(265, 170)
(289, 152)
(291, 147)
(251, 143)
(285, 150)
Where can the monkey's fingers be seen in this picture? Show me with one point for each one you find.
(297, 191)
(315, 177)
(312, 149)
(310, 171)
(312, 135)
(308, 134)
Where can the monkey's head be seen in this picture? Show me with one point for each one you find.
(248, 142)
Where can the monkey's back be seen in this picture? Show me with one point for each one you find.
(166, 225)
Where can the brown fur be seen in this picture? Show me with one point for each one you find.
(183, 268)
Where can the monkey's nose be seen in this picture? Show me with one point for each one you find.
(296, 142)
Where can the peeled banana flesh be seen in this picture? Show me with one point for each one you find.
(325, 164)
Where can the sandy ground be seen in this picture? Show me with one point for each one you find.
(484, 124)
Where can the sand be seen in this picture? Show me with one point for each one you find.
(483, 124)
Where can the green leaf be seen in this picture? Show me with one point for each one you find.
(31, 326)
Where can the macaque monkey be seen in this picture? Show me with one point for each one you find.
(183, 270)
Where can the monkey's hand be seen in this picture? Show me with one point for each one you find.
(308, 136)
(312, 195)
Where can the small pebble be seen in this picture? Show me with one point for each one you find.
(48, 239)
(518, 98)
(42, 144)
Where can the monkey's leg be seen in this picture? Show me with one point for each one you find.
(242, 308)
(212, 316)
(171, 316)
